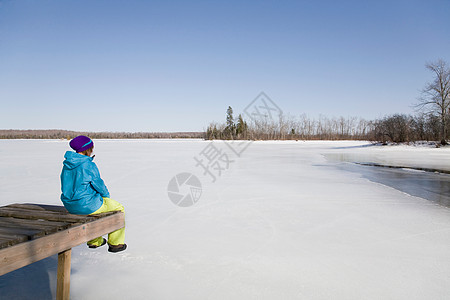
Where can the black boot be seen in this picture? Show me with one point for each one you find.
(117, 248)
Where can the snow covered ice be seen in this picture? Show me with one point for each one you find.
(282, 222)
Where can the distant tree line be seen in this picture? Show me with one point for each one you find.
(290, 128)
(395, 128)
(430, 124)
(66, 134)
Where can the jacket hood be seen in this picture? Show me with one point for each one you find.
(74, 159)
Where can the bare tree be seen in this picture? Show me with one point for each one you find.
(436, 94)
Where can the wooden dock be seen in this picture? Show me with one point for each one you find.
(31, 232)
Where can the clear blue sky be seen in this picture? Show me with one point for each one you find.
(178, 65)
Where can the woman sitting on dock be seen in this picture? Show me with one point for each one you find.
(85, 193)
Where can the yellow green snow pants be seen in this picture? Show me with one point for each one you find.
(116, 237)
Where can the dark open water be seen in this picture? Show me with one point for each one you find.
(430, 185)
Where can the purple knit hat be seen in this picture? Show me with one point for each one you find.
(81, 143)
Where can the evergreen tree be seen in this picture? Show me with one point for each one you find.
(231, 128)
(241, 127)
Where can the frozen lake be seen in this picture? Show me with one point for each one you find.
(280, 221)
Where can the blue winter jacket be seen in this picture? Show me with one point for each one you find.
(81, 186)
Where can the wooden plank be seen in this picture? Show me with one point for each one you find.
(12, 236)
(38, 225)
(63, 276)
(38, 212)
(42, 207)
(34, 224)
(21, 231)
(10, 243)
(5, 240)
(10, 220)
(10, 240)
(41, 226)
(44, 215)
(25, 229)
(23, 254)
(31, 233)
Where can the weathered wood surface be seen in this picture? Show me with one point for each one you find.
(63, 275)
(30, 232)
(32, 214)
